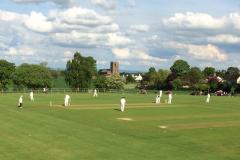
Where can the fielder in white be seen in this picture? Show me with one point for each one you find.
(157, 99)
(67, 100)
(160, 95)
(20, 101)
(208, 98)
(31, 96)
(170, 98)
(95, 93)
(122, 104)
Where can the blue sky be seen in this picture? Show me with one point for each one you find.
(137, 33)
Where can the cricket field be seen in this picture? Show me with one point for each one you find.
(95, 129)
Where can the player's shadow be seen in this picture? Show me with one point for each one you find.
(117, 109)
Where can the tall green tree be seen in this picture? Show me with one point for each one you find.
(180, 67)
(32, 76)
(232, 75)
(208, 71)
(6, 71)
(194, 76)
(80, 71)
(160, 79)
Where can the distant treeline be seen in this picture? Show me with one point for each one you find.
(81, 72)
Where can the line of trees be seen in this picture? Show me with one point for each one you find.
(81, 72)
(182, 75)
(24, 76)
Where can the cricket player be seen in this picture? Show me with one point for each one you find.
(31, 96)
(67, 100)
(95, 93)
(208, 98)
(122, 104)
(158, 99)
(20, 101)
(170, 97)
(160, 95)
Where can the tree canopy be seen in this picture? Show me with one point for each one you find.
(80, 71)
(6, 71)
(180, 67)
(32, 76)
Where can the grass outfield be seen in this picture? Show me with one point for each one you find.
(94, 128)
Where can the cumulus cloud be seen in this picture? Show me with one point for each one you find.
(207, 52)
(59, 2)
(11, 16)
(107, 4)
(224, 38)
(139, 28)
(127, 54)
(190, 20)
(80, 16)
(38, 22)
(235, 19)
(194, 20)
(20, 51)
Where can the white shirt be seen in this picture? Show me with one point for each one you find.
(160, 93)
(123, 101)
(20, 99)
(67, 97)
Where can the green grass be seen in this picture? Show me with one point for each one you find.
(90, 130)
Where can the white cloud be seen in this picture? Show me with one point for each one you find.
(127, 54)
(116, 39)
(224, 38)
(38, 22)
(11, 16)
(80, 16)
(108, 4)
(59, 2)
(91, 39)
(207, 52)
(190, 20)
(20, 51)
(139, 28)
(194, 20)
(235, 19)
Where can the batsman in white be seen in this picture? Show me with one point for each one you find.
(170, 97)
(67, 100)
(122, 104)
(20, 101)
(160, 95)
(31, 96)
(208, 98)
(95, 93)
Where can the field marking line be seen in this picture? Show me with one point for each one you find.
(113, 106)
(125, 119)
(203, 125)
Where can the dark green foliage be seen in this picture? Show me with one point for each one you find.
(32, 76)
(99, 82)
(130, 79)
(6, 70)
(232, 75)
(180, 67)
(155, 79)
(194, 76)
(208, 71)
(80, 71)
